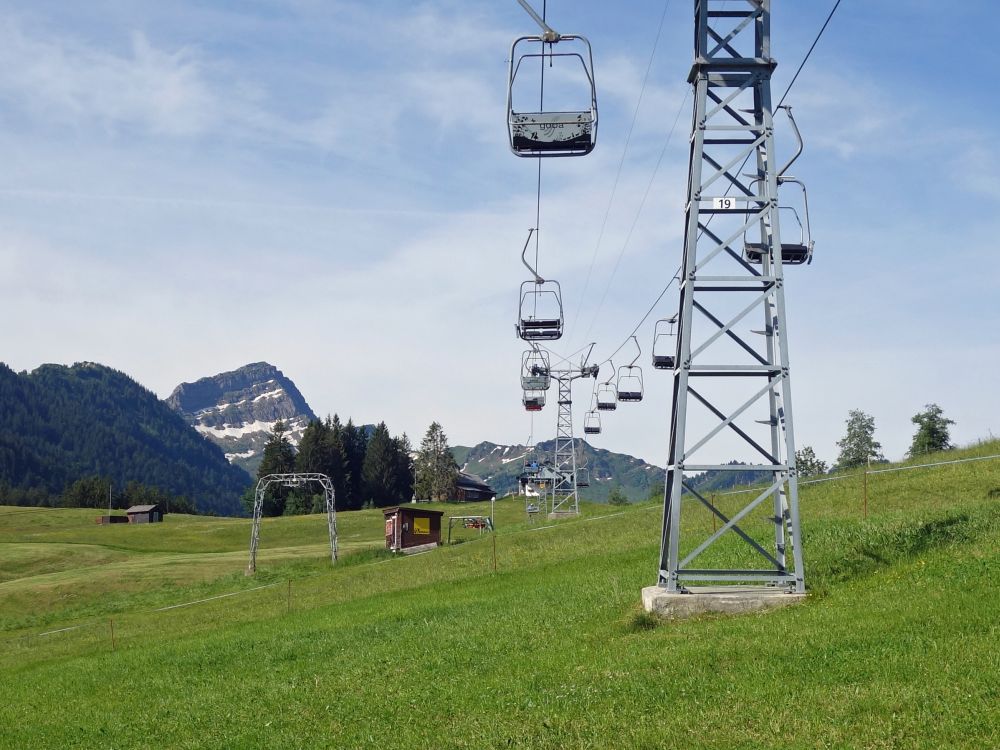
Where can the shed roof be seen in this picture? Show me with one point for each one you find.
(142, 508)
(411, 509)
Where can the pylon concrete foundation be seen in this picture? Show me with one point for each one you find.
(729, 600)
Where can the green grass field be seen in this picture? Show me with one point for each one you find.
(897, 647)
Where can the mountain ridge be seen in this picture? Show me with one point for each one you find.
(237, 409)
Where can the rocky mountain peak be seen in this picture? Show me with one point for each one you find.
(237, 409)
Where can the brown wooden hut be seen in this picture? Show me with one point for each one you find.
(409, 528)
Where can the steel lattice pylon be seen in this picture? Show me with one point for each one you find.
(734, 377)
(565, 500)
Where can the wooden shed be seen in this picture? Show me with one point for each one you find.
(144, 514)
(411, 529)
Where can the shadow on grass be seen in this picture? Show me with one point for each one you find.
(849, 551)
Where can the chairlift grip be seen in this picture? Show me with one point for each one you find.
(550, 35)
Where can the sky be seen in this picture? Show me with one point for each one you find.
(191, 186)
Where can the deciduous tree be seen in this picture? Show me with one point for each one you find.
(859, 447)
(932, 431)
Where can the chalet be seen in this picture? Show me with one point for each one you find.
(471, 488)
(144, 514)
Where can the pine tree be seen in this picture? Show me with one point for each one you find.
(279, 458)
(807, 463)
(402, 469)
(932, 431)
(859, 447)
(378, 468)
(321, 451)
(355, 447)
(435, 467)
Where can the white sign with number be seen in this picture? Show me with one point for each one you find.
(724, 203)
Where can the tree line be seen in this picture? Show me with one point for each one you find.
(62, 424)
(859, 447)
(368, 468)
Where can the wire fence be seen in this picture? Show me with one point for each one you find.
(99, 633)
(870, 472)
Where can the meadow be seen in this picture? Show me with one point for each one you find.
(542, 644)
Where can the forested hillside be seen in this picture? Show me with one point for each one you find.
(59, 424)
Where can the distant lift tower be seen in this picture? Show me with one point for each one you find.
(732, 395)
(565, 497)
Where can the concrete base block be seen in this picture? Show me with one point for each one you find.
(729, 600)
(419, 548)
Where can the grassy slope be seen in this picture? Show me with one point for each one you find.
(897, 647)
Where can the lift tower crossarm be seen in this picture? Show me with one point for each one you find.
(548, 33)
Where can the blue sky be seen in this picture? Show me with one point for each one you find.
(191, 186)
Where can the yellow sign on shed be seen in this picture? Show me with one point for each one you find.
(422, 526)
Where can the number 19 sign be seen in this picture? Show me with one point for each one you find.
(725, 203)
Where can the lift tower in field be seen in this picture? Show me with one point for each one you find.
(731, 393)
(565, 493)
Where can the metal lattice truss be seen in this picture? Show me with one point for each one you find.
(732, 397)
(565, 498)
(295, 481)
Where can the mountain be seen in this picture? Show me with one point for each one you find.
(236, 410)
(59, 424)
(499, 466)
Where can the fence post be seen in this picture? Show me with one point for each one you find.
(865, 491)
(289, 595)
(112, 621)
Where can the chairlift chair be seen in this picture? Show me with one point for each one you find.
(630, 383)
(592, 423)
(551, 133)
(540, 312)
(664, 344)
(583, 477)
(535, 371)
(533, 400)
(630, 378)
(607, 397)
(792, 253)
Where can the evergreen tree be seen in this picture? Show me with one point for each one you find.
(617, 496)
(807, 463)
(403, 469)
(435, 468)
(355, 447)
(279, 458)
(859, 447)
(932, 431)
(379, 467)
(321, 451)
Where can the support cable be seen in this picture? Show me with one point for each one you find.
(621, 161)
(795, 78)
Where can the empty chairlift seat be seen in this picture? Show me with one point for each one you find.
(630, 383)
(607, 397)
(664, 344)
(592, 423)
(569, 63)
(795, 253)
